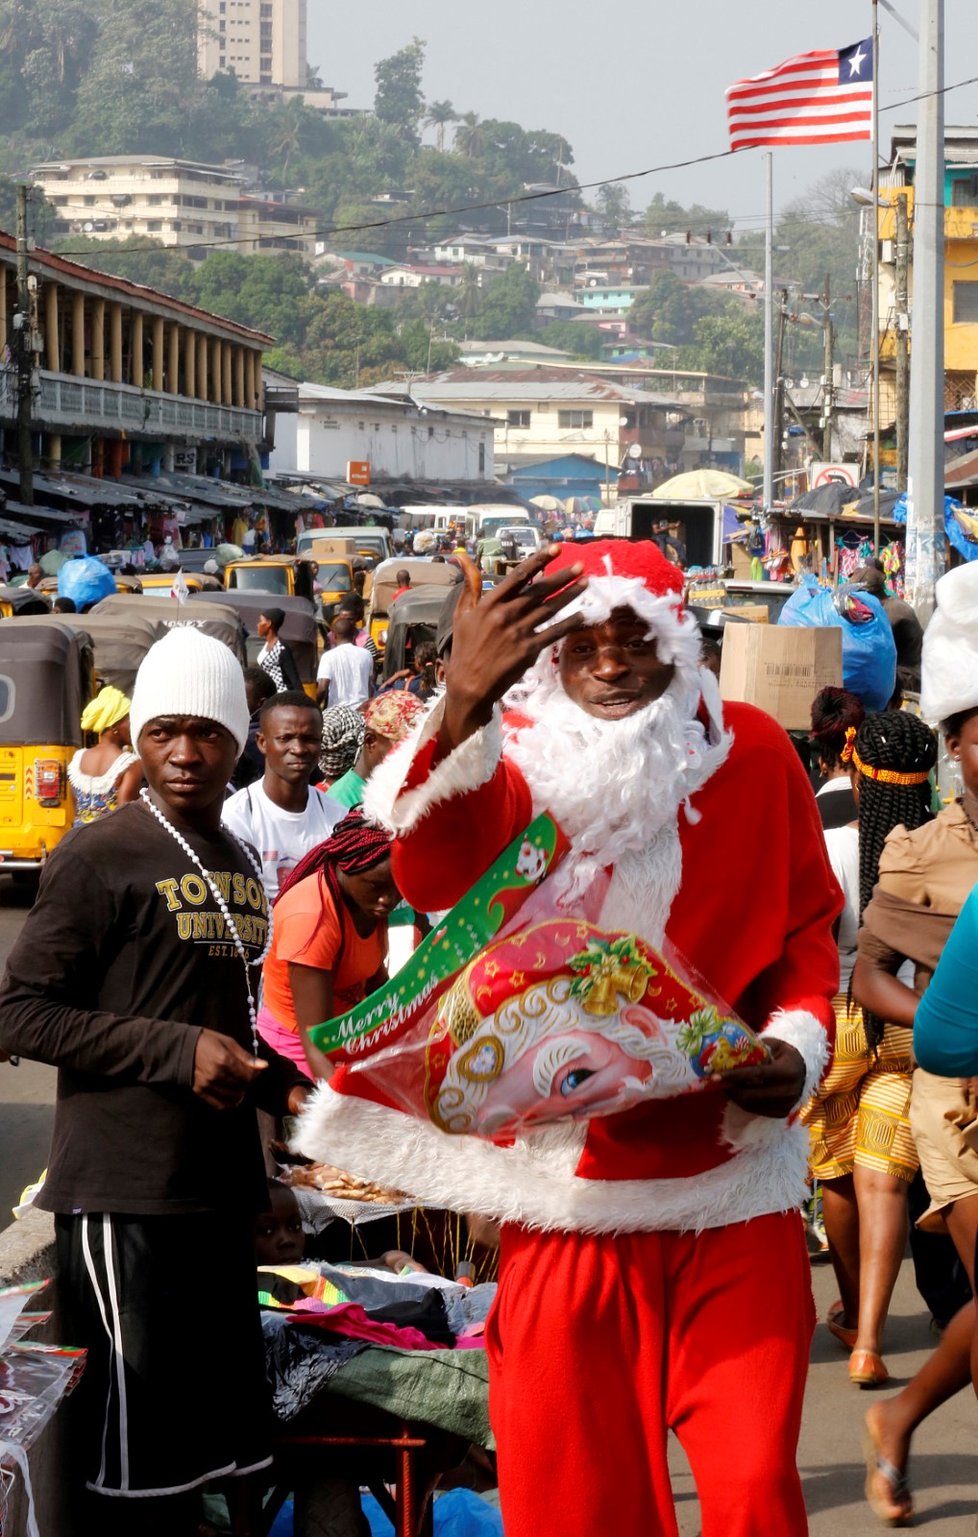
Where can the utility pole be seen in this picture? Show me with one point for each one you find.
(24, 345)
(926, 540)
(769, 445)
(902, 298)
(778, 435)
(828, 367)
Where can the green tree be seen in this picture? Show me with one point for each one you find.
(399, 99)
(614, 205)
(573, 336)
(271, 293)
(669, 309)
(731, 344)
(665, 217)
(470, 136)
(137, 258)
(508, 305)
(438, 115)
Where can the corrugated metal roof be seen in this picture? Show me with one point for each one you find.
(488, 386)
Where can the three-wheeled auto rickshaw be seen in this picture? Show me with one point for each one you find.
(18, 602)
(300, 631)
(46, 680)
(288, 576)
(423, 573)
(217, 619)
(414, 617)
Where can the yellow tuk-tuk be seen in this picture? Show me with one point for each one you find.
(46, 680)
(159, 584)
(287, 576)
(18, 602)
(385, 584)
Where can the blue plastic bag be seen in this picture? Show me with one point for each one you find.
(458, 1513)
(85, 581)
(868, 649)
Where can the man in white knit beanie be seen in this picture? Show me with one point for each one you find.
(134, 975)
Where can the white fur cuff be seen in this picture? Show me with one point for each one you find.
(467, 768)
(808, 1036)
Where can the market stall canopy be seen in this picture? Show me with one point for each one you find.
(702, 485)
(547, 503)
(367, 499)
(829, 499)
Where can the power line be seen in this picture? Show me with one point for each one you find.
(424, 215)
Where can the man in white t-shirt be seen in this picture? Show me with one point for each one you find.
(346, 672)
(282, 815)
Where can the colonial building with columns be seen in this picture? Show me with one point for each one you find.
(126, 378)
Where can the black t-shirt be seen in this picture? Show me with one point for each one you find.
(121, 963)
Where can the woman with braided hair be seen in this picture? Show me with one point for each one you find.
(329, 945)
(836, 717)
(862, 1148)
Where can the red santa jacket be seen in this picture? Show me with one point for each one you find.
(754, 914)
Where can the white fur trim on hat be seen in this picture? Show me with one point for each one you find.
(187, 673)
(949, 663)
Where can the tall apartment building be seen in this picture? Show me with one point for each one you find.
(262, 41)
(178, 202)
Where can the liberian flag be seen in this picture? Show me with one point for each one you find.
(812, 98)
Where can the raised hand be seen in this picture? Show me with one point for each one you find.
(495, 638)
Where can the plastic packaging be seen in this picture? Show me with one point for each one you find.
(515, 1013)
(868, 647)
(85, 581)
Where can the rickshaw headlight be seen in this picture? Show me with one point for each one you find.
(48, 783)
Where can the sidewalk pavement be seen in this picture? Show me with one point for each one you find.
(944, 1460)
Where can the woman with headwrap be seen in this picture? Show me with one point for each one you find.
(329, 947)
(862, 1149)
(109, 774)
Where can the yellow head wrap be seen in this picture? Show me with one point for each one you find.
(107, 709)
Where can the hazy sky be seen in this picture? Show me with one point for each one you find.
(639, 84)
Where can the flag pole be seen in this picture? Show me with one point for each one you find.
(875, 334)
(768, 488)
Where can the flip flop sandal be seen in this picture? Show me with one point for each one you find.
(895, 1507)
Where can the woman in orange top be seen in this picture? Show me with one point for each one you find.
(329, 947)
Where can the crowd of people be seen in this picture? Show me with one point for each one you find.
(241, 853)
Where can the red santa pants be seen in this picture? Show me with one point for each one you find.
(598, 1346)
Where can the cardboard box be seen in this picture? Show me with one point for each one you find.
(754, 613)
(780, 669)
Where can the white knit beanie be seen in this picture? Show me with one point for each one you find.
(187, 673)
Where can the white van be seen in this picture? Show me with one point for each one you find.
(492, 516)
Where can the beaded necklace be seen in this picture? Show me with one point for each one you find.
(231, 926)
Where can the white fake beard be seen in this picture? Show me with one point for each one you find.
(616, 788)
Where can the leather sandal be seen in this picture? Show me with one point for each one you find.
(866, 1369)
(887, 1489)
(835, 1322)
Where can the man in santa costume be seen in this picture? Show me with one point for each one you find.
(653, 1270)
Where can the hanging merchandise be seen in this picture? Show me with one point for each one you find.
(868, 647)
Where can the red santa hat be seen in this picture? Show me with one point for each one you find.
(625, 575)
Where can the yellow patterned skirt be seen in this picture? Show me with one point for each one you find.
(861, 1112)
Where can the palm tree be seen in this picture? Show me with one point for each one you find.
(470, 137)
(438, 115)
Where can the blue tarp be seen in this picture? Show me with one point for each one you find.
(957, 532)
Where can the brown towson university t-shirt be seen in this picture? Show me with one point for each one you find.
(123, 960)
